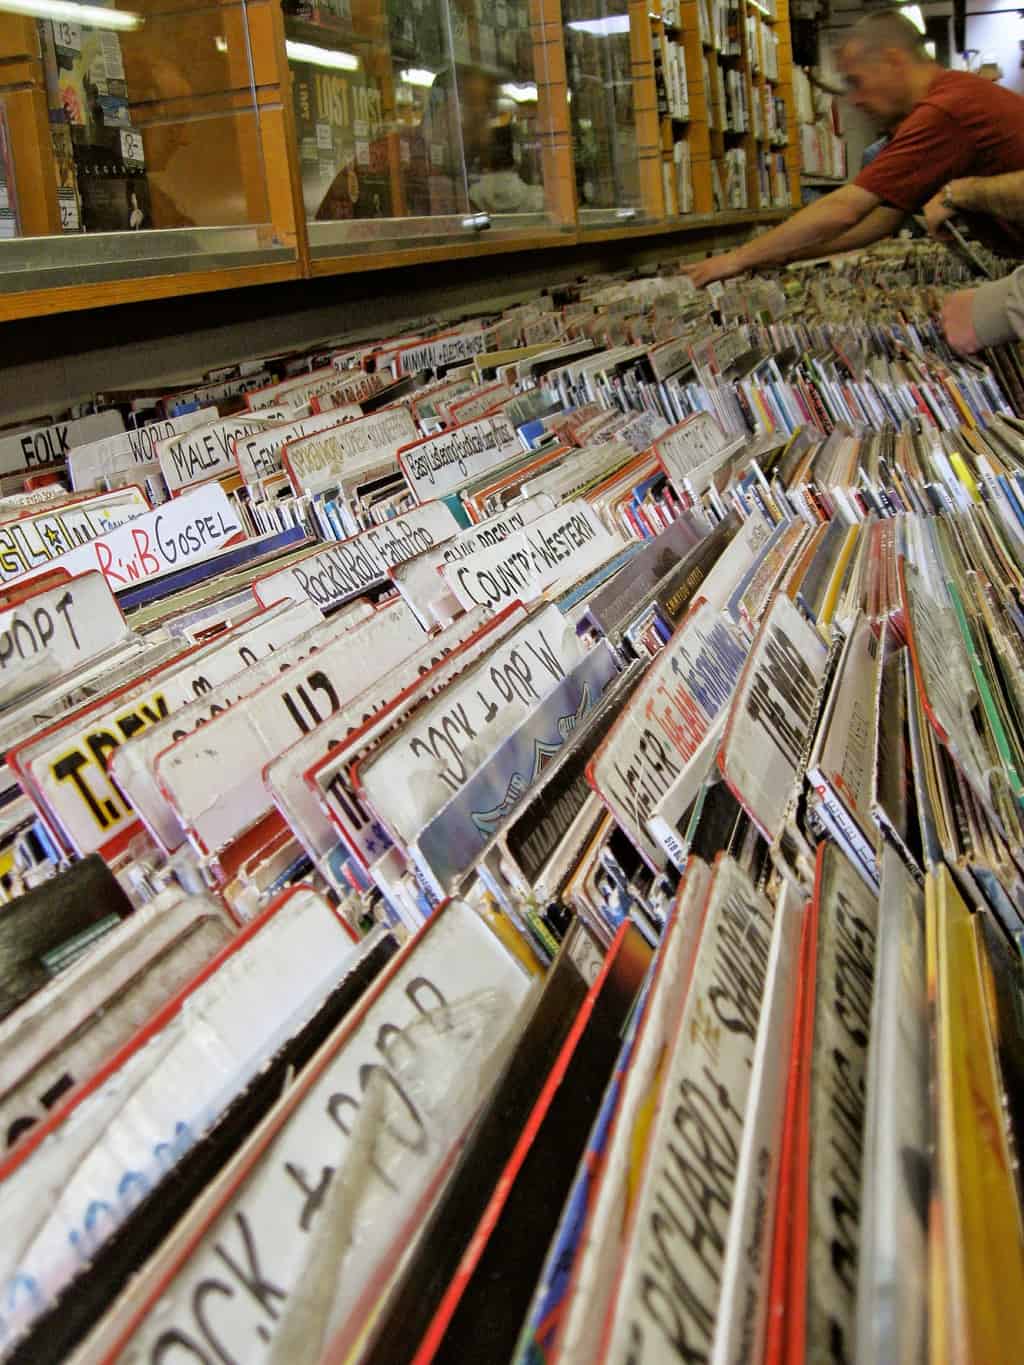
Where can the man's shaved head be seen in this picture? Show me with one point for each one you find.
(886, 66)
(887, 28)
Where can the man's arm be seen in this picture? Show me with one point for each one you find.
(880, 222)
(817, 226)
(1001, 195)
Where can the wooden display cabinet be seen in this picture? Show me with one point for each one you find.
(212, 92)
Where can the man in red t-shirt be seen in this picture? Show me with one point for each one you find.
(948, 124)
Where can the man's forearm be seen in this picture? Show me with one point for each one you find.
(813, 229)
(1002, 195)
(880, 222)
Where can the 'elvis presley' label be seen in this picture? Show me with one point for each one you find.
(769, 725)
(667, 1302)
(444, 1009)
(440, 464)
(657, 735)
(844, 986)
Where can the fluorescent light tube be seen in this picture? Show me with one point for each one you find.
(66, 11)
(601, 28)
(418, 75)
(319, 56)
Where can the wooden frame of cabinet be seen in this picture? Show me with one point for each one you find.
(257, 78)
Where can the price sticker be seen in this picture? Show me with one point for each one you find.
(67, 35)
(324, 137)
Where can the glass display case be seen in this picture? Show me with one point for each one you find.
(418, 121)
(599, 73)
(137, 140)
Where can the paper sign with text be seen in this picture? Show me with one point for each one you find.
(319, 462)
(335, 573)
(114, 456)
(259, 454)
(45, 445)
(440, 464)
(48, 539)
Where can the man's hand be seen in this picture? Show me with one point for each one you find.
(722, 267)
(958, 320)
(938, 211)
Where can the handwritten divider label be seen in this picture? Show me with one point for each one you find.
(166, 1094)
(685, 689)
(746, 1271)
(285, 776)
(450, 843)
(297, 630)
(203, 453)
(439, 352)
(46, 445)
(213, 777)
(259, 454)
(319, 462)
(496, 529)
(561, 546)
(43, 539)
(410, 778)
(330, 779)
(335, 573)
(844, 987)
(55, 632)
(667, 1297)
(769, 724)
(210, 394)
(452, 999)
(67, 764)
(185, 531)
(111, 456)
(440, 464)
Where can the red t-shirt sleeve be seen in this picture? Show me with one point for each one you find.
(928, 150)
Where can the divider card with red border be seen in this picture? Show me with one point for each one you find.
(437, 465)
(365, 1136)
(55, 631)
(772, 714)
(330, 780)
(120, 1133)
(212, 778)
(112, 457)
(64, 767)
(38, 538)
(206, 452)
(436, 1252)
(686, 686)
(333, 574)
(61, 1035)
(320, 461)
(742, 1322)
(284, 777)
(666, 1298)
(259, 454)
(412, 774)
(892, 1273)
(185, 531)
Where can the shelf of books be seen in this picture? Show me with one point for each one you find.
(511, 840)
(162, 151)
(822, 146)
